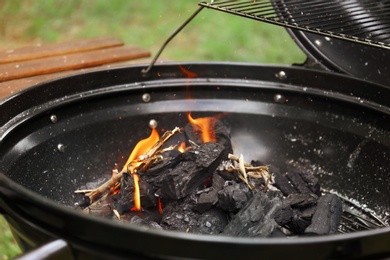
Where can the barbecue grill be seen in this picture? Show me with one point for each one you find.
(333, 124)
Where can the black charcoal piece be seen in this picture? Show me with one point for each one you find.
(298, 182)
(234, 197)
(300, 200)
(281, 182)
(256, 219)
(124, 200)
(311, 182)
(326, 218)
(209, 197)
(211, 222)
(188, 175)
(284, 215)
(179, 215)
(301, 219)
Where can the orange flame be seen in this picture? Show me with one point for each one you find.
(141, 148)
(137, 195)
(182, 147)
(204, 125)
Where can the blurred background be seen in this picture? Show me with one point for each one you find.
(211, 36)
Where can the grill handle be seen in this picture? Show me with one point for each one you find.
(54, 250)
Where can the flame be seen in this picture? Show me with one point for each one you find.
(204, 125)
(137, 195)
(182, 147)
(140, 148)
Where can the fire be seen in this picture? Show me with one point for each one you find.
(204, 125)
(182, 147)
(137, 196)
(141, 148)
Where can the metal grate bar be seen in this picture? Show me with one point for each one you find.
(361, 21)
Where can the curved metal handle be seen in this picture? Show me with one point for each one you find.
(57, 249)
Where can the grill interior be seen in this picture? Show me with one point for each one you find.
(361, 21)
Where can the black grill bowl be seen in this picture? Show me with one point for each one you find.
(64, 133)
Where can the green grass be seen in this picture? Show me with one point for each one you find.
(8, 246)
(211, 36)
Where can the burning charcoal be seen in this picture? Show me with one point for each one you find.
(281, 182)
(211, 222)
(124, 200)
(179, 215)
(256, 219)
(218, 129)
(326, 218)
(234, 197)
(188, 175)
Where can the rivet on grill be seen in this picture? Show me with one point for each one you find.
(153, 123)
(281, 75)
(146, 97)
(53, 119)
(278, 98)
(61, 148)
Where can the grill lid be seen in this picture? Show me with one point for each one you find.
(328, 31)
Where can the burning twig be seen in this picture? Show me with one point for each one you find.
(143, 162)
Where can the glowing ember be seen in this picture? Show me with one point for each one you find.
(205, 126)
(160, 206)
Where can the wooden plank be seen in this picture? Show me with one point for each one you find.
(47, 50)
(29, 68)
(10, 87)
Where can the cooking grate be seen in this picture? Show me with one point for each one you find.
(362, 21)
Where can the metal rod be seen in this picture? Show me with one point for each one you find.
(145, 71)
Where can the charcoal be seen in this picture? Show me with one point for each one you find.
(256, 219)
(298, 182)
(211, 222)
(188, 175)
(124, 200)
(179, 215)
(311, 182)
(284, 215)
(234, 197)
(301, 200)
(136, 220)
(282, 182)
(209, 198)
(326, 218)
(301, 219)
